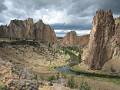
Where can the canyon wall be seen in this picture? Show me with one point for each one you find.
(71, 39)
(27, 29)
(83, 40)
(104, 44)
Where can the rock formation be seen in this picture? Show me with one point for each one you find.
(3, 31)
(83, 40)
(44, 33)
(28, 30)
(104, 42)
(71, 39)
(21, 29)
(113, 65)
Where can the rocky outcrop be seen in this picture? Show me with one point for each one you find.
(116, 41)
(21, 29)
(44, 33)
(104, 40)
(83, 40)
(28, 30)
(71, 39)
(3, 31)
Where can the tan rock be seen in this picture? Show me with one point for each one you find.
(28, 30)
(71, 39)
(103, 30)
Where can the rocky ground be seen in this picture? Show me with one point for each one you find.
(30, 65)
(24, 63)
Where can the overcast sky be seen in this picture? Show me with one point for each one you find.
(61, 14)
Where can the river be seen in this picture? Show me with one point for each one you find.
(67, 69)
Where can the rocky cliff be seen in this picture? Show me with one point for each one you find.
(71, 39)
(104, 40)
(83, 40)
(27, 29)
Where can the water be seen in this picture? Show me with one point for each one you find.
(65, 69)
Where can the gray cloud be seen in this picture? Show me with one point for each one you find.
(38, 4)
(22, 9)
(80, 7)
(114, 5)
(89, 7)
(2, 6)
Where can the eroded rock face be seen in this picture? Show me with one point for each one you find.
(83, 40)
(44, 32)
(3, 31)
(71, 39)
(19, 29)
(100, 48)
(27, 29)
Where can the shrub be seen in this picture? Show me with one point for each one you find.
(84, 86)
(58, 76)
(51, 78)
(79, 58)
(3, 87)
(64, 75)
(71, 83)
(35, 77)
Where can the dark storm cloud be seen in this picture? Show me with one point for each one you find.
(114, 5)
(39, 4)
(2, 6)
(71, 26)
(80, 7)
(89, 7)
(21, 9)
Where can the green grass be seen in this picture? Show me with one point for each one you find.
(71, 82)
(51, 78)
(2, 87)
(98, 75)
(74, 53)
(84, 86)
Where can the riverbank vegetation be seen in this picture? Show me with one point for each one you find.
(88, 80)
